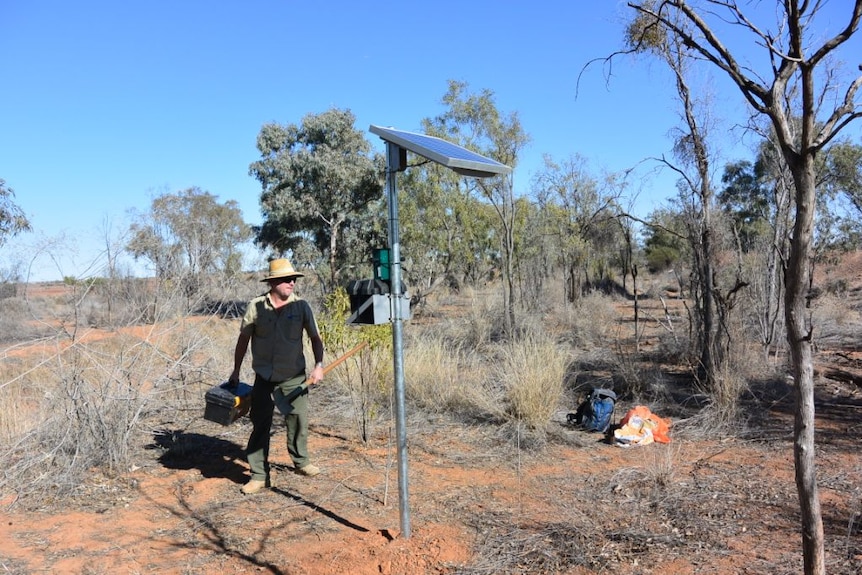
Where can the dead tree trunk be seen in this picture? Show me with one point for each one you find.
(798, 83)
(799, 339)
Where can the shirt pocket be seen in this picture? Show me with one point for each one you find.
(290, 326)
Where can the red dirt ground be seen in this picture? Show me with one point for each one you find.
(174, 520)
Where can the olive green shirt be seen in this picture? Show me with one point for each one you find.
(276, 336)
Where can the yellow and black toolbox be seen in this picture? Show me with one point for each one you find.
(226, 403)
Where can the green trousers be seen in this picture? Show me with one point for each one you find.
(265, 396)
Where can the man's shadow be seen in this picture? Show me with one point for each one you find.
(213, 456)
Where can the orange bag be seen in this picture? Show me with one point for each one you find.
(661, 427)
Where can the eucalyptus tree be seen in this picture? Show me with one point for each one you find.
(321, 183)
(665, 245)
(745, 199)
(12, 218)
(845, 162)
(758, 199)
(839, 185)
(473, 121)
(190, 237)
(582, 214)
(797, 77)
(447, 234)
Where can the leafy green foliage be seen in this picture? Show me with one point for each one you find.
(581, 215)
(12, 219)
(645, 33)
(339, 336)
(844, 165)
(746, 200)
(474, 122)
(840, 203)
(321, 186)
(449, 236)
(364, 376)
(665, 244)
(755, 195)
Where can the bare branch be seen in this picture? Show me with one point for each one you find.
(654, 225)
(757, 95)
(842, 115)
(839, 38)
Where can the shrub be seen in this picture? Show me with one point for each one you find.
(532, 370)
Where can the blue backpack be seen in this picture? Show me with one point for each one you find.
(596, 412)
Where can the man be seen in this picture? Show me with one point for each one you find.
(274, 323)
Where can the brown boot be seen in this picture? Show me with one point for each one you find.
(254, 485)
(308, 470)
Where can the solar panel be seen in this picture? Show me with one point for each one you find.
(453, 156)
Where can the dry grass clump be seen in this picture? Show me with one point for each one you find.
(482, 323)
(17, 323)
(532, 371)
(84, 405)
(518, 379)
(592, 322)
(711, 421)
(835, 319)
(439, 377)
(22, 386)
(443, 377)
(654, 478)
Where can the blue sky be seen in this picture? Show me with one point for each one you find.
(107, 104)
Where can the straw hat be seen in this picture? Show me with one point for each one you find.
(281, 269)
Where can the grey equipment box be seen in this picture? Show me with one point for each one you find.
(370, 302)
(227, 403)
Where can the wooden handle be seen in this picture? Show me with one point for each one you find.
(304, 385)
(332, 365)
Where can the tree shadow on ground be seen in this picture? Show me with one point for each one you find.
(321, 510)
(212, 456)
(771, 405)
(210, 533)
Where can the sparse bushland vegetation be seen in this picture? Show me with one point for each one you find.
(90, 392)
(523, 304)
(94, 403)
(85, 397)
(109, 373)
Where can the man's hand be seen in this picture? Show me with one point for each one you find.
(316, 375)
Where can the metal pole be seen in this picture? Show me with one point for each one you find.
(392, 164)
